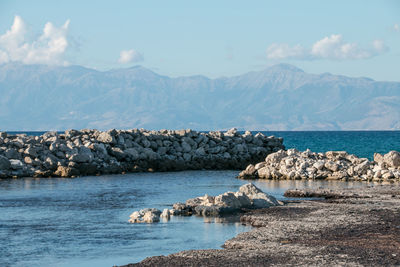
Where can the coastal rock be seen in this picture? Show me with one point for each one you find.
(392, 159)
(16, 164)
(106, 137)
(332, 165)
(4, 163)
(249, 172)
(248, 197)
(165, 214)
(258, 198)
(228, 200)
(145, 216)
(66, 171)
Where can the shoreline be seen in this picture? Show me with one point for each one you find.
(360, 226)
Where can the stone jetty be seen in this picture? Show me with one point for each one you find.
(333, 165)
(91, 152)
(248, 197)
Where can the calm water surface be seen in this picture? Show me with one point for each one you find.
(83, 221)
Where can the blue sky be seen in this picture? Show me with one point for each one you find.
(212, 38)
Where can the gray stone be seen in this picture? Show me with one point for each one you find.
(80, 158)
(132, 153)
(186, 147)
(4, 163)
(16, 164)
(11, 153)
(106, 137)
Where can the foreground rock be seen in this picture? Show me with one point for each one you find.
(145, 216)
(248, 197)
(335, 232)
(92, 152)
(333, 165)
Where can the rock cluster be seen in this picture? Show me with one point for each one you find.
(335, 165)
(248, 197)
(92, 152)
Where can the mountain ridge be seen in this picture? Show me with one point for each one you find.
(281, 97)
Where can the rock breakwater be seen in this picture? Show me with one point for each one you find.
(333, 165)
(91, 152)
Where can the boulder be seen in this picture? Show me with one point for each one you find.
(182, 209)
(16, 164)
(258, 198)
(249, 189)
(132, 153)
(276, 157)
(4, 163)
(392, 159)
(106, 137)
(80, 158)
(66, 171)
(31, 151)
(378, 158)
(213, 210)
(165, 214)
(12, 153)
(245, 201)
(228, 200)
(145, 216)
(249, 173)
(206, 200)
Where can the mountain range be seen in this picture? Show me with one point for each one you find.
(281, 97)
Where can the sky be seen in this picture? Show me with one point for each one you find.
(211, 38)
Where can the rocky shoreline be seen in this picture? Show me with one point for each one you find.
(357, 227)
(332, 165)
(91, 152)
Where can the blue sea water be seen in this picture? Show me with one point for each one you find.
(361, 143)
(83, 221)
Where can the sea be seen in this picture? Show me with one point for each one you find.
(84, 221)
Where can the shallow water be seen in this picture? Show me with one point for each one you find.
(83, 221)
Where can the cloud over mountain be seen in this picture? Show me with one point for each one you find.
(331, 47)
(48, 48)
(129, 56)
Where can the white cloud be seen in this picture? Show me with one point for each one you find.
(379, 46)
(396, 27)
(129, 56)
(332, 47)
(49, 48)
(281, 51)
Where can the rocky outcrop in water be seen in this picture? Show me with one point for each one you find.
(334, 165)
(92, 152)
(248, 197)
